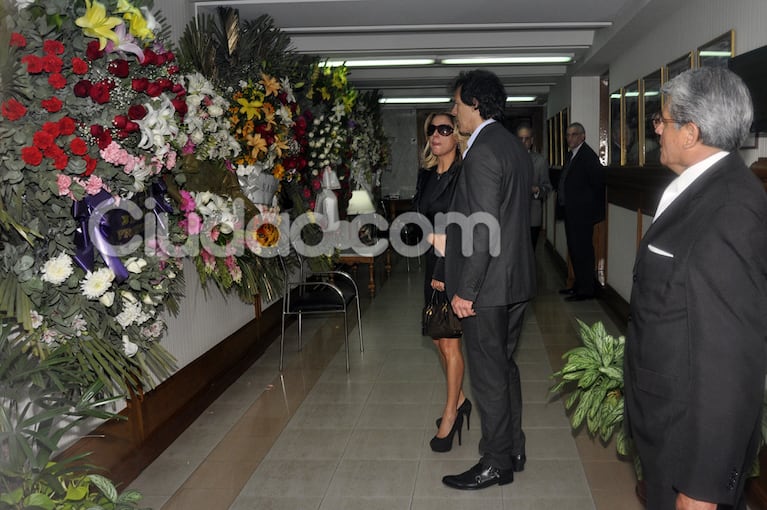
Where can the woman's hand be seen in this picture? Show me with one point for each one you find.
(438, 285)
(438, 241)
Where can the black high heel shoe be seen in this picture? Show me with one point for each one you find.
(464, 409)
(445, 444)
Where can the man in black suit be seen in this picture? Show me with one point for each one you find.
(695, 350)
(581, 193)
(490, 271)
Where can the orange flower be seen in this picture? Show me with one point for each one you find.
(271, 85)
(258, 145)
(279, 146)
(278, 171)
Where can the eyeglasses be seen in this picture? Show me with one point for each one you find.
(657, 121)
(572, 133)
(442, 129)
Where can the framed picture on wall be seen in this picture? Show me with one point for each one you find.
(550, 138)
(678, 66)
(717, 51)
(557, 160)
(614, 152)
(565, 122)
(651, 107)
(630, 124)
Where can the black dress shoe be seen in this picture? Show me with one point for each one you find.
(567, 292)
(479, 477)
(518, 463)
(579, 297)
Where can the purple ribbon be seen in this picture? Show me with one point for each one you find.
(84, 244)
(157, 192)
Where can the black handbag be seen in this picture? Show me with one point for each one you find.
(439, 320)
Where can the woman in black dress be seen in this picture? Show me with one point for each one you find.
(441, 163)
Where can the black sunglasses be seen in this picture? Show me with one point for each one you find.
(442, 129)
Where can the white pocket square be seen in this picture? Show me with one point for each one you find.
(660, 252)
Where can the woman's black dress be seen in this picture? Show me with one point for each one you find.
(433, 194)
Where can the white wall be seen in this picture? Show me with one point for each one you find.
(400, 128)
(205, 318)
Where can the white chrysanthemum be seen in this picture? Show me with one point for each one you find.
(215, 110)
(132, 314)
(97, 283)
(57, 269)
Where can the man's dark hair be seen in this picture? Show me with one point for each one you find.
(484, 88)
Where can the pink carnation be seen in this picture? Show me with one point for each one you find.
(114, 154)
(94, 185)
(64, 182)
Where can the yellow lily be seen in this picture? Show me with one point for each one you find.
(325, 93)
(95, 23)
(250, 108)
(139, 26)
(349, 100)
(271, 85)
(339, 78)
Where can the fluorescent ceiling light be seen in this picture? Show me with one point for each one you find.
(519, 99)
(413, 100)
(543, 59)
(714, 53)
(379, 62)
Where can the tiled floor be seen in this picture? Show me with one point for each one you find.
(315, 437)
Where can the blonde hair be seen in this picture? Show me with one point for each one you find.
(428, 159)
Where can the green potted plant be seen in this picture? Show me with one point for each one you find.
(591, 381)
(40, 401)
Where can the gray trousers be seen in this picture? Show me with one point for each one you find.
(490, 338)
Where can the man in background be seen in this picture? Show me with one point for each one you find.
(490, 272)
(695, 350)
(581, 193)
(541, 183)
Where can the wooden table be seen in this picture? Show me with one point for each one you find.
(352, 258)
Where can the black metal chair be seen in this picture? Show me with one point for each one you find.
(323, 292)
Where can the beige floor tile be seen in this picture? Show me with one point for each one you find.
(317, 437)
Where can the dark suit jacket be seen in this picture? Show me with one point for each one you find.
(495, 179)
(585, 187)
(695, 352)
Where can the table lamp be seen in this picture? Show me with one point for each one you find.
(360, 203)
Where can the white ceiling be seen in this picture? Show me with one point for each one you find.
(592, 31)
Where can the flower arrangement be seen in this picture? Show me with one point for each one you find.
(332, 100)
(262, 116)
(90, 117)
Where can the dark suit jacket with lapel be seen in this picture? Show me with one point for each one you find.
(495, 179)
(585, 187)
(695, 353)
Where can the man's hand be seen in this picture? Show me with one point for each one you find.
(462, 307)
(437, 285)
(684, 502)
